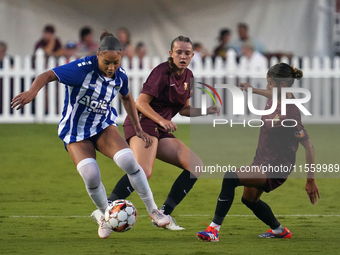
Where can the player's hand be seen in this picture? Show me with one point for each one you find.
(312, 191)
(20, 100)
(244, 86)
(168, 125)
(214, 109)
(145, 137)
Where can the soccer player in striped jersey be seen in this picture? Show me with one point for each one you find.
(165, 93)
(277, 148)
(89, 122)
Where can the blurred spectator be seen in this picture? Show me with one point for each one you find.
(86, 46)
(49, 42)
(199, 53)
(199, 50)
(3, 49)
(254, 60)
(223, 44)
(243, 34)
(140, 53)
(70, 50)
(124, 37)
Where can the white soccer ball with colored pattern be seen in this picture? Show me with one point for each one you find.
(121, 215)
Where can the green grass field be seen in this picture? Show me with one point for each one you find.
(44, 207)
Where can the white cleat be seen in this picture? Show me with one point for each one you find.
(104, 230)
(97, 215)
(160, 218)
(154, 223)
(173, 225)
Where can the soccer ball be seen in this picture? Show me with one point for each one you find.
(121, 215)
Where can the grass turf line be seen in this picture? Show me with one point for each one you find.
(39, 178)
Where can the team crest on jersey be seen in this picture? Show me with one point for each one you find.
(185, 86)
(96, 106)
(276, 119)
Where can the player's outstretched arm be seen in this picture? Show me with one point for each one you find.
(311, 187)
(27, 96)
(262, 92)
(131, 110)
(190, 111)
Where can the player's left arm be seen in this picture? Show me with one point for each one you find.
(190, 111)
(311, 187)
(130, 107)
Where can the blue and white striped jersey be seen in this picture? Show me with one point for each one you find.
(87, 109)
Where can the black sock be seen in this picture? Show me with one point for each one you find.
(179, 190)
(263, 212)
(226, 197)
(122, 190)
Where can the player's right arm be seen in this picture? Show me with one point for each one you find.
(311, 187)
(27, 96)
(262, 92)
(143, 105)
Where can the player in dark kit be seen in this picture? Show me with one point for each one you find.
(165, 93)
(276, 150)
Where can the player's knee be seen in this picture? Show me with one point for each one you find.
(148, 172)
(126, 161)
(195, 169)
(251, 205)
(231, 178)
(89, 171)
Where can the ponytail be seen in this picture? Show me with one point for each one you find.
(284, 72)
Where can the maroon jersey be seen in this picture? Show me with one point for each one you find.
(170, 93)
(42, 44)
(277, 144)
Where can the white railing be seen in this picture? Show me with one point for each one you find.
(321, 78)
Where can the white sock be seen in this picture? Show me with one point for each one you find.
(89, 171)
(140, 183)
(217, 227)
(278, 230)
(126, 161)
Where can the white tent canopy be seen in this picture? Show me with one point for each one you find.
(302, 27)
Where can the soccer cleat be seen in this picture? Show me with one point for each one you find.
(104, 230)
(154, 223)
(270, 234)
(208, 235)
(97, 215)
(159, 218)
(173, 225)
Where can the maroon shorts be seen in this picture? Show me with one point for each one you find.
(151, 129)
(273, 183)
(274, 179)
